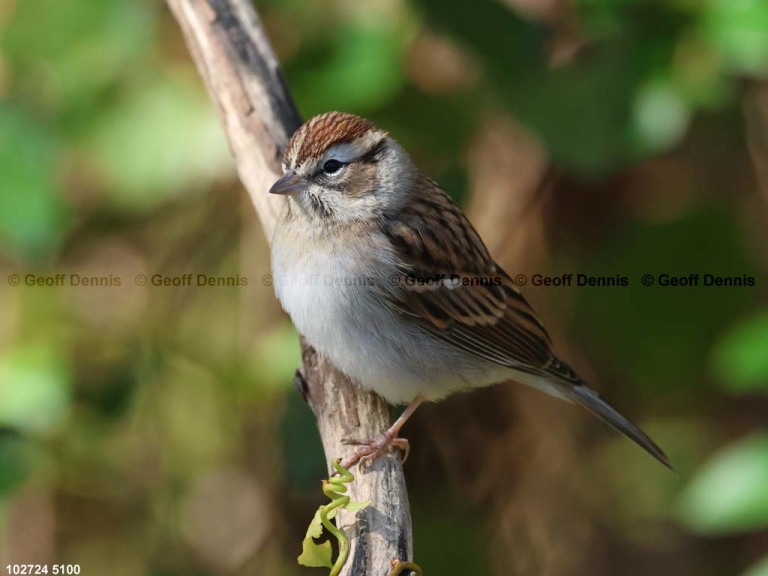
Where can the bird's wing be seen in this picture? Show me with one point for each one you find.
(451, 287)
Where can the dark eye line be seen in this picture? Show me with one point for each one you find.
(372, 156)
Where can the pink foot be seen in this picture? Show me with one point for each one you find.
(371, 450)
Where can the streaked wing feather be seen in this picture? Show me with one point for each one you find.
(476, 307)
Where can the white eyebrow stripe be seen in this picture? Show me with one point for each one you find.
(349, 151)
(345, 152)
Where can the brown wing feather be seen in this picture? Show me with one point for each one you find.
(494, 322)
(485, 314)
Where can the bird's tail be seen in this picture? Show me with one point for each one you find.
(589, 399)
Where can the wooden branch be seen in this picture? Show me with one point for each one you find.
(244, 80)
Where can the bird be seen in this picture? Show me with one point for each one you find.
(384, 275)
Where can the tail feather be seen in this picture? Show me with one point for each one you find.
(589, 399)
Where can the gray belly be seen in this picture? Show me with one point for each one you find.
(384, 352)
(343, 314)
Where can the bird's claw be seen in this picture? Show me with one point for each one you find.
(371, 450)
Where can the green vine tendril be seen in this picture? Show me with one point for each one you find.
(316, 555)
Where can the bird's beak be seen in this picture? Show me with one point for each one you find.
(289, 183)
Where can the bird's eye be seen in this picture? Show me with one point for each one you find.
(332, 166)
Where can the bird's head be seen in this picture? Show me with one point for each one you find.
(341, 167)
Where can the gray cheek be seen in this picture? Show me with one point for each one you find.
(396, 175)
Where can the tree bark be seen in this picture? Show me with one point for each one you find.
(244, 80)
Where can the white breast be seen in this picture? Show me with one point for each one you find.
(335, 293)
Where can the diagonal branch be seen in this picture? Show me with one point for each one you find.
(245, 82)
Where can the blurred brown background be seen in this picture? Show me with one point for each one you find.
(154, 430)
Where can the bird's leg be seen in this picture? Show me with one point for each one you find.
(370, 450)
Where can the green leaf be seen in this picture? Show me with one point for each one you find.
(729, 494)
(315, 529)
(740, 359)
(32, 213)
(34, 390)
(315, 555)
(739, 30)
(759, 569)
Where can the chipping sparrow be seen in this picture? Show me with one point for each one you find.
(384, 276)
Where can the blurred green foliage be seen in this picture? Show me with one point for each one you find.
(14, 463)
(760, 569)
(32, 216)
(34, 390)
(127, 412)
(740, 360)
(729, 494)
(159, 139)
(68, 54)
(703, 241)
